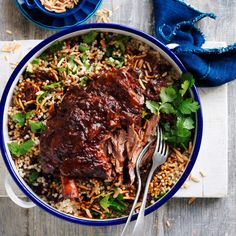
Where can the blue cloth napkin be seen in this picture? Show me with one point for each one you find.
(175, 23)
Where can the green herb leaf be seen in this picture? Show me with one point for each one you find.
(61, 57)
(56, 46)
(168, 94)
(178, 131)
(187, 123)
(116, 204)
(37, 126)
(167, 108)
(160, 195)
(19, 118)
(61, 69)
(109, 51)
(52, 86)
(71, 62)
(35, 61)
(121, 62)
(143, 114)
(90, 37)
(40, 97)
(183, 127)
(104, 202)
(84, 59)
(14, 148)
(188, 106)
(26, 146)
(83, 81)
(20, 149)
(187, 83)
(108, 214)
(29, 114)
(152, 106)
(95, 214)
(33, 176)
(83, 47)
(120, 42)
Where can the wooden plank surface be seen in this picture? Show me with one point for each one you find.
(203, 218)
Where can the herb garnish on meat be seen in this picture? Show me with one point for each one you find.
(173, 101)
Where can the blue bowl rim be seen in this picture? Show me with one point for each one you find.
(48, 27)
(50, 209)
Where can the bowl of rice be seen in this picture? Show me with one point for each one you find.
(57, 8)
(79, 108)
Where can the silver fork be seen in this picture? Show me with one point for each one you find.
(140, 156)
(159, 157)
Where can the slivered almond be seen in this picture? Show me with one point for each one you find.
(141, 83)
(9, 32)
(117, 192)
(191, 200)
(202, 174)
(168, 223)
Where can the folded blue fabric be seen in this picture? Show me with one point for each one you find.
(175, 23)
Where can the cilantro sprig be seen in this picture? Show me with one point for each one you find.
(181, 108)
(56, 46)
(52, 86)
(83, 82)
(20, 117)
(37, 126)
(19, 149)
(89, 37)
(116, 204)
(33, 176)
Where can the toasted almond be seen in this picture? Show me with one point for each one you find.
(9, 32)
(164, 74)
(194, 179)
(10, 47)
(141, 83)
(191, 200)
(168, 223)
(185, 185)
(202, 173)
(117, 192)
(116, 8)
(6, 58)
(88, 213)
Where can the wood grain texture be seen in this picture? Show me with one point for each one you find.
(203, 218)
(13, 220)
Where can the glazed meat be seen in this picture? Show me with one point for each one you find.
(97, 130)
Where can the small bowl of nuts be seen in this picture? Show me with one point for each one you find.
(56, 8)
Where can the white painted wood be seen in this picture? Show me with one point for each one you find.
(212, 158)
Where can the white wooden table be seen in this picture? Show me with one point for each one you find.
(206, 216)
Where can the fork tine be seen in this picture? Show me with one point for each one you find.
(167, 151)
(164, 149)
(158, 139)
(161, 142)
